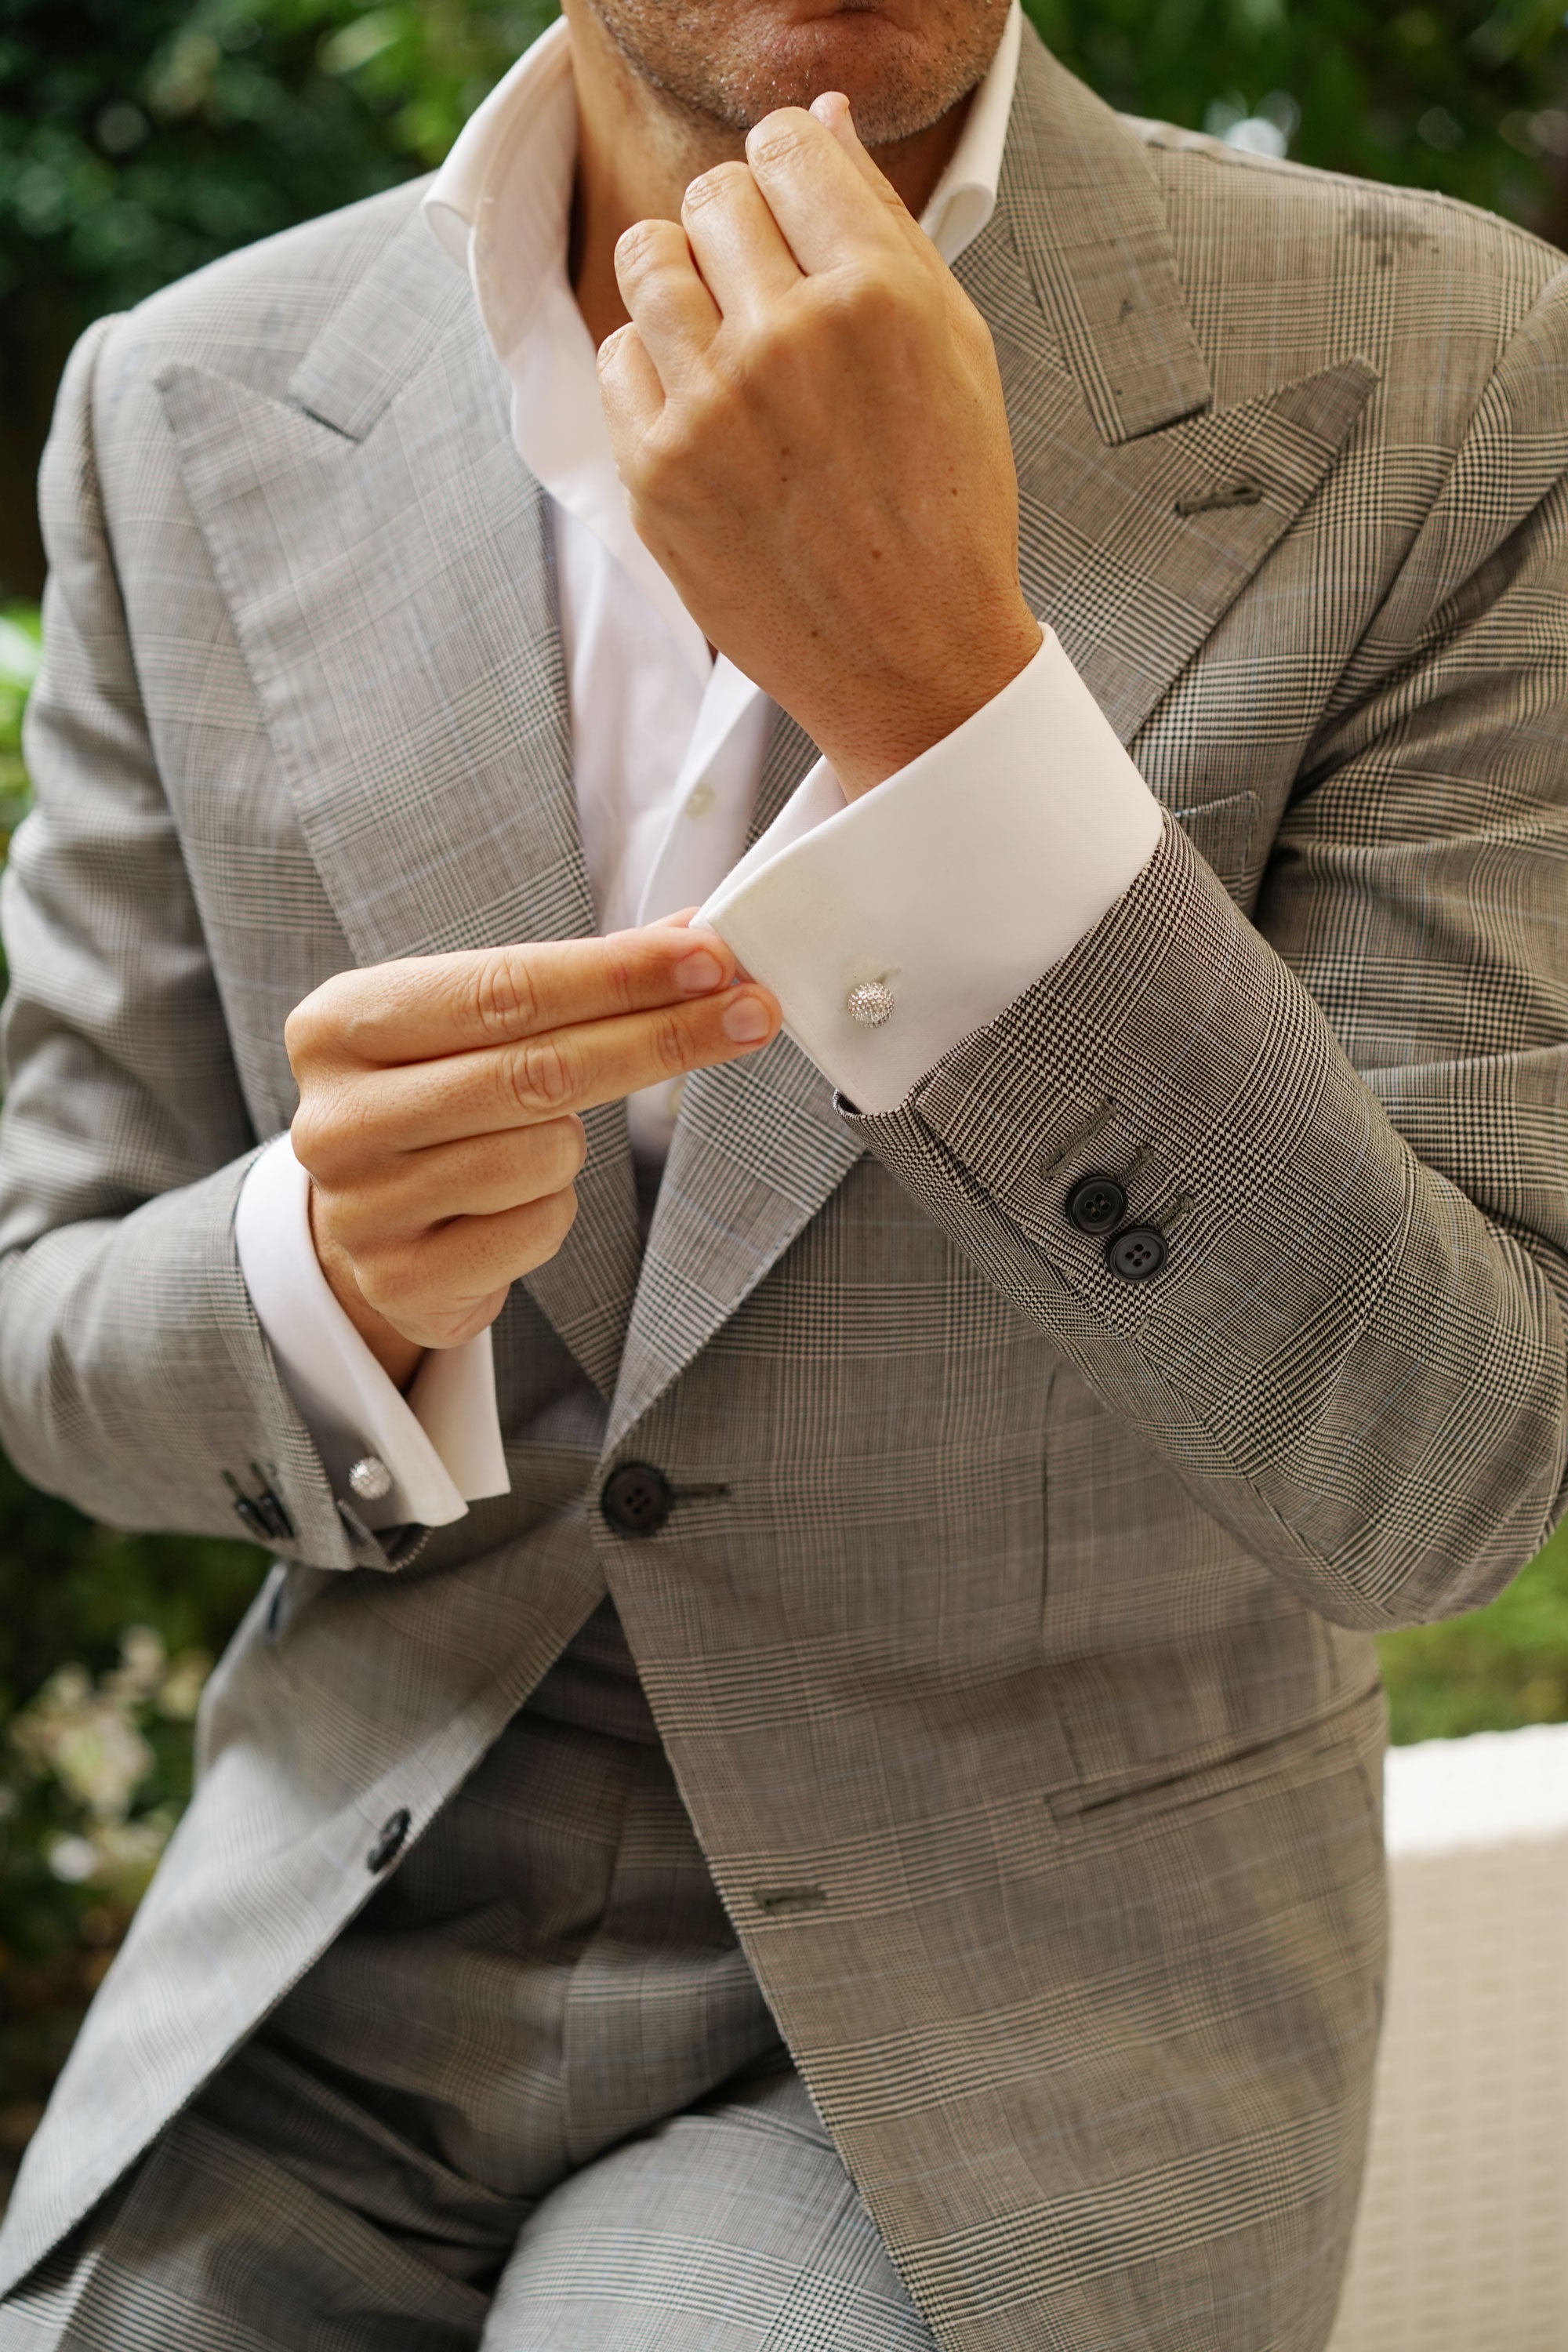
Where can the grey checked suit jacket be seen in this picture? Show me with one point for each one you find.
(1014, 1664)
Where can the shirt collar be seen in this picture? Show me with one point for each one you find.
(965, 196)
(500, 206)
(499, 203)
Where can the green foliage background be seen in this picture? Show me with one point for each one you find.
(140, 138)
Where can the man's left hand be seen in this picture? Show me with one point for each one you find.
(808, 415)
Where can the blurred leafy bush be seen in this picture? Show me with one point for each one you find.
(140, 138)
(21, 648)
(1446, 95)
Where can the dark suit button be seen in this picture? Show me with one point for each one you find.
(389, 1841)
(637, 1499)
(1096, 1204)
(1138, 1253)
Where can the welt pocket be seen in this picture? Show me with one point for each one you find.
(1106, 1808)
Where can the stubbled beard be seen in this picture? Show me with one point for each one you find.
(718, 75)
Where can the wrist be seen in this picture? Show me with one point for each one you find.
(398, 1356)
(885, 732)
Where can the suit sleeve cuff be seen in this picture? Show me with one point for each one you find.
(441, 1443)
(946, 891)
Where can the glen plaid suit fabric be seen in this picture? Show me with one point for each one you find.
(530, 2098)
(1017, 1681)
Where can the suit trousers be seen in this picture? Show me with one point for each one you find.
(531, 2097)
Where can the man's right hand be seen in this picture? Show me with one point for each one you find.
(438, 1109)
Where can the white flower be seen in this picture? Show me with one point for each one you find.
(101, 1759)
(73, 1859)
(143, 1661)
(126, 1853)
(88, 1741)
(180, 1694)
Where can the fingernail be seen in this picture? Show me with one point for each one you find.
(697, 975)
(747, 1020)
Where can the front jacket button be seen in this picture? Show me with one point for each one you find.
(1096, 1204)
(637, 1499)
(1138, 1251)
(389, 1841)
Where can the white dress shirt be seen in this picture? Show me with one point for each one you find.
(952, 886)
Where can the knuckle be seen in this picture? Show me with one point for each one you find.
(307, 1132)
(871, 297)
(711, 186)
(779, 135)
(322, 1139)
(299, 1034)
(619, 973)
(318, 1021)
(639, 248)
(546, 1226)
(540, 1073)
(615, 347)
(664, 466)
(505, 998)
(560, 1154)
(390, 1275)
(328, 1133)
(671, 1043)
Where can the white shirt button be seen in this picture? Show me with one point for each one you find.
(371, 1478)
(870, 1004)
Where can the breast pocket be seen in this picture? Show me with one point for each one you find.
(1224, 832)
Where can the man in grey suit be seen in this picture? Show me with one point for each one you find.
(859, 1826)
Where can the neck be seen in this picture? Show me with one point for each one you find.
(636, 155)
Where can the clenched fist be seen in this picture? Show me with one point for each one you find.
(439, 1101)
(807, 413)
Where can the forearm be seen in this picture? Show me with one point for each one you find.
(1354, 1368)
(135, 1380)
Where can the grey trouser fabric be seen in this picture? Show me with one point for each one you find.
(532, 2099)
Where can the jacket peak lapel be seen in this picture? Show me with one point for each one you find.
(386, 560)
(1144, 509)
(1091, 224)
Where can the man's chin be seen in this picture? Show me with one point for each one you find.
(902, 64)
(895, 88)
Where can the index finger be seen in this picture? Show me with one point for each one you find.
(831, 207)
(430, 1006)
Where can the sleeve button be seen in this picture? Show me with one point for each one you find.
(390, 1840)
(1137, 1253)
(1096, 1204)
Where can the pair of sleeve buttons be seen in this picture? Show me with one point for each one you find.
(1097, 1206)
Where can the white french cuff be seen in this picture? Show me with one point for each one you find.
(441, 1444)
(893, 926)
